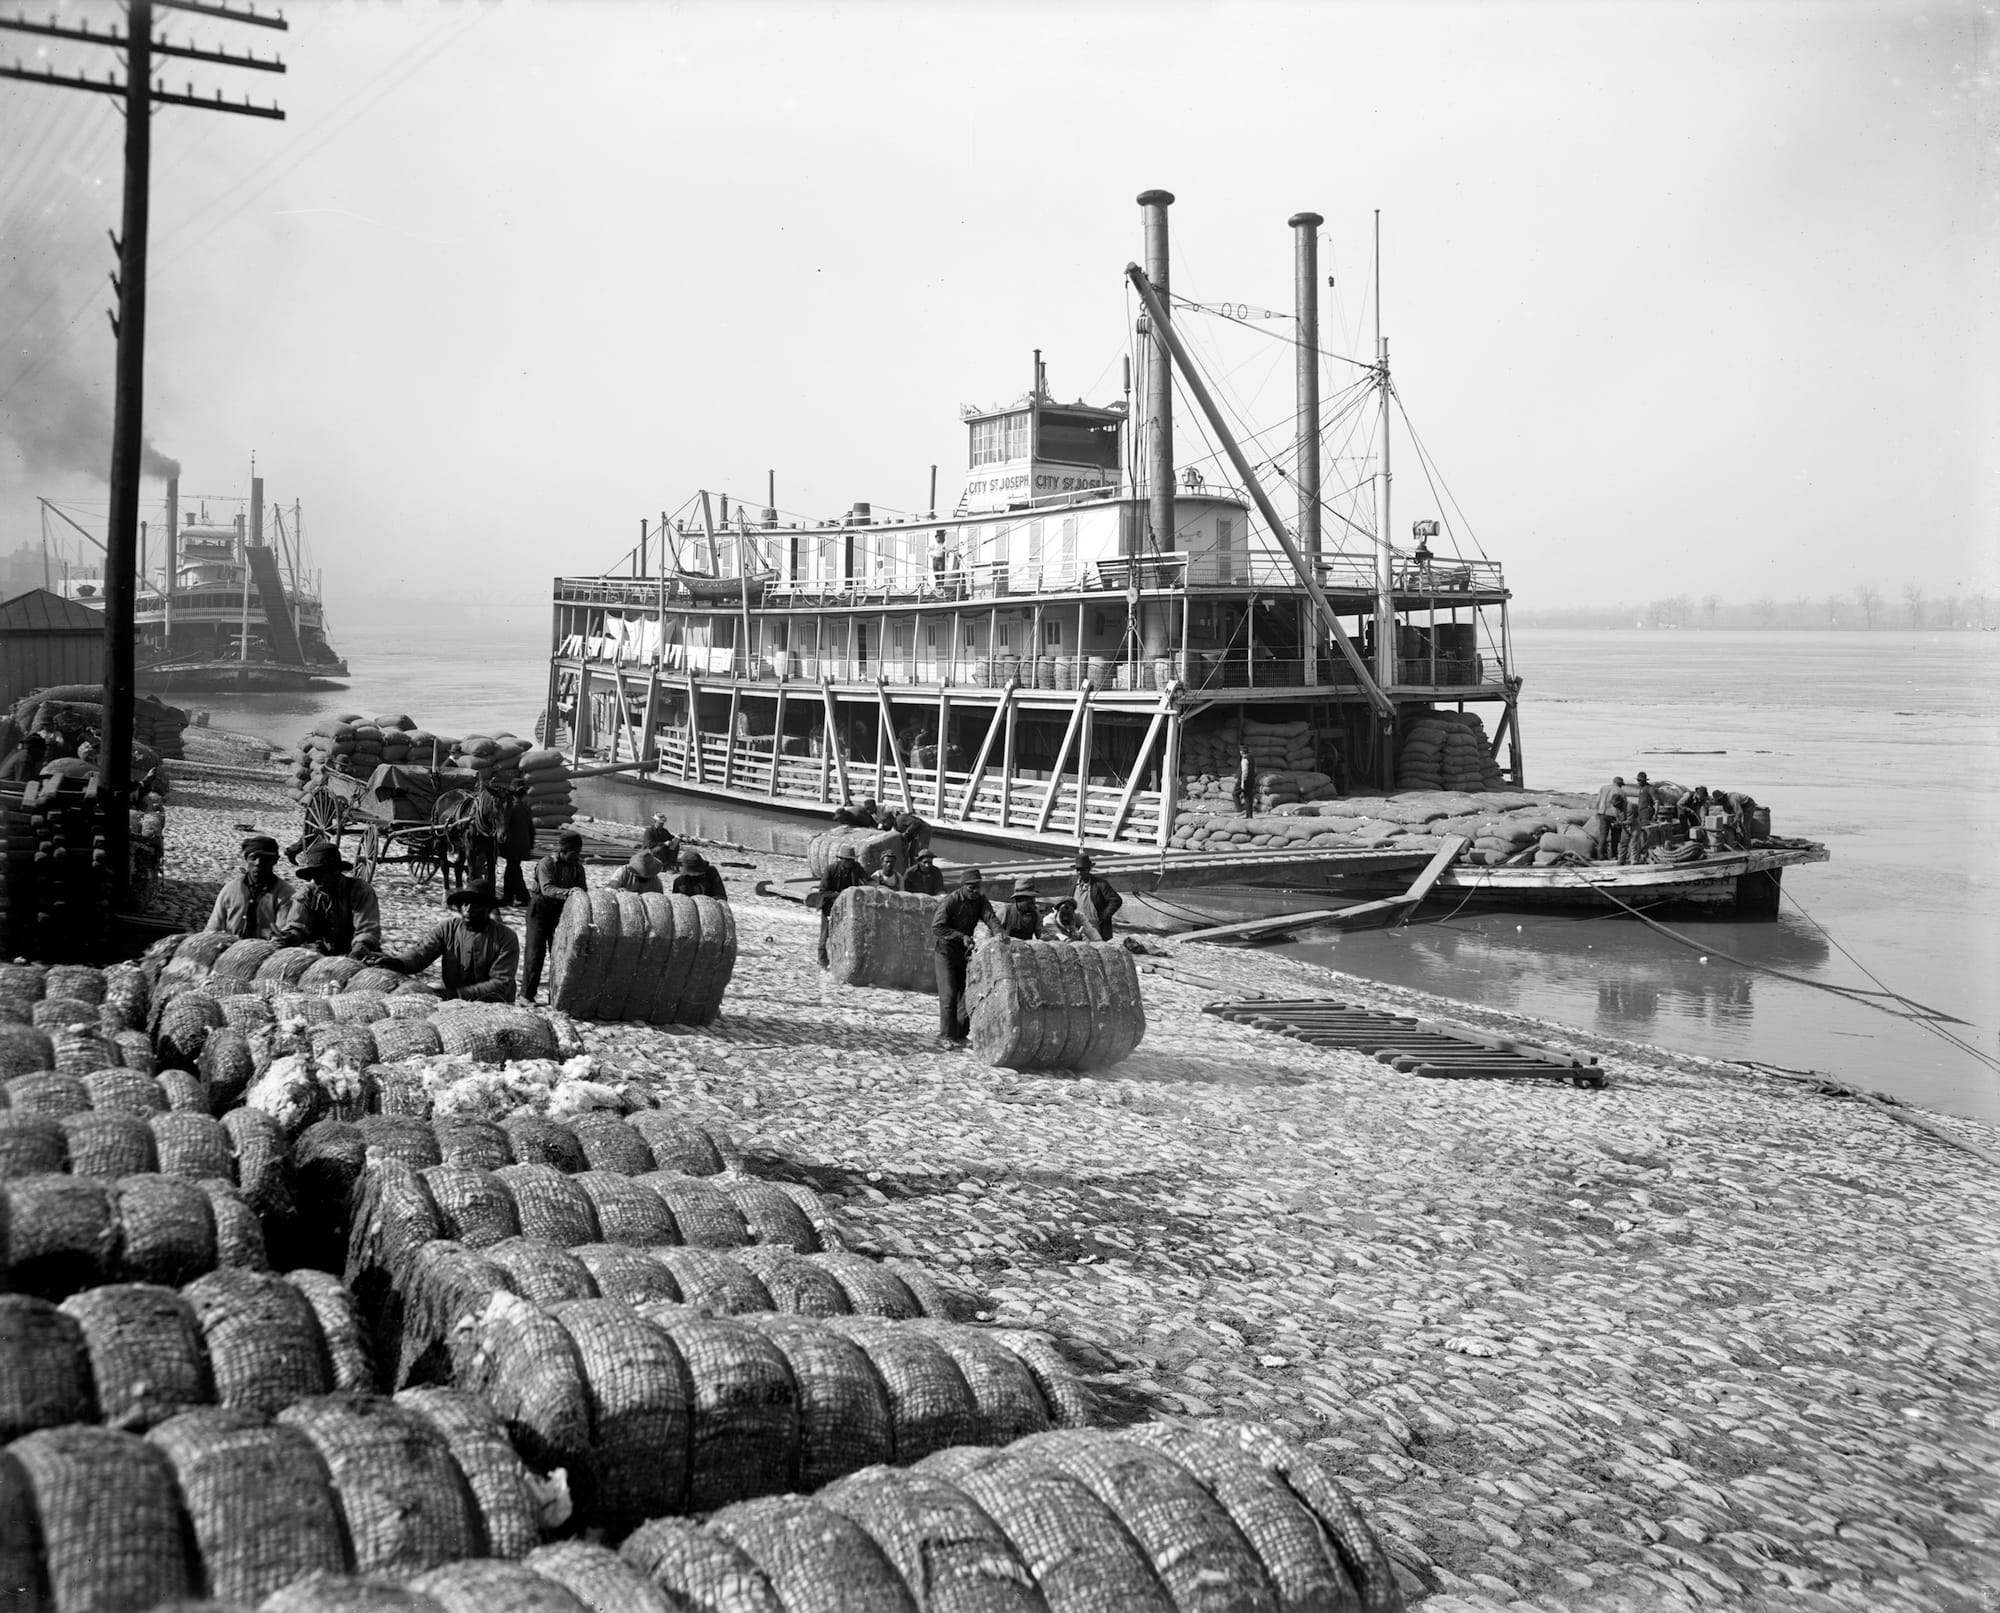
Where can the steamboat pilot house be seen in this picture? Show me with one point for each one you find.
(1069, 658)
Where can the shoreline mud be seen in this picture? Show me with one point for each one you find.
(1704, 1338)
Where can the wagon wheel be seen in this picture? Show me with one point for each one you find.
(428, 855)
(325, 817)
(369, 853)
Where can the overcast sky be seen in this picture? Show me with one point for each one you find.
(1680, 297)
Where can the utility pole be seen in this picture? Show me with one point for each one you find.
(139, 94)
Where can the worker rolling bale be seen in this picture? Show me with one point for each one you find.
(1034, 1008)
(879, 937)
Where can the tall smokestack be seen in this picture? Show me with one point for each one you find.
(257, 510)
(173, 529)
(1159, 378)
(1305, 241)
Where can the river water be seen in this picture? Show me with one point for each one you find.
(1885, 746)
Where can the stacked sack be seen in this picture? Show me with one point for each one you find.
(1446, 750)
(1054, 1005)
(664, 960)
(56, 890)
(1284, 760)
(357, 745)
(551, 796)
(155, 724)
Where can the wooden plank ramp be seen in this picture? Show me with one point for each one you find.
(1359, 916)
(1436, 1049)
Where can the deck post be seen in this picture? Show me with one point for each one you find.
(895, 752)
(694, 728)
(943, 728)
(833, 742)
(582, 707)
(729, 750)
(1139, 764)
(777, 739)
(993, 728)
(1007, 760)
(1170, 775)
(625, 720)
(1083, 772)
(1076, 721)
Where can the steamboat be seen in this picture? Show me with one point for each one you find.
(228, 608)
(1076, 655)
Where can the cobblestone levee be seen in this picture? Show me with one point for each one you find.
(1703, 1338)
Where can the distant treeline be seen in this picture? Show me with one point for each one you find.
(1860, 608)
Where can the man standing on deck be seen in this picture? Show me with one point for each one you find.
(337, 912)
(845, 873)
(1611, 796)
(1096, 898)
(252, 905)
(549, 883)
(952, 924)
(479, 953)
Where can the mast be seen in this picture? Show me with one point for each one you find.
(1385, 603)
(1159, 377)
(1305, 237)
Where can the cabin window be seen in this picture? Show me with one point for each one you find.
(1051, 635)
(1000, 439)
(1225, 549)
(1005, 636)
(1036, 531)
(1077, 439)
(1067, 551)
(970, 642)
(930, 638)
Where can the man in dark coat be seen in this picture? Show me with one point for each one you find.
(1096, 898)
(1022, 919)
(337, 912)
(698, 878)
(924, 877)
(844, 873)
(479, 953)
(549, 883)
(517, 845)
(952, 924)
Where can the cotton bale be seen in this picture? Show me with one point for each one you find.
(882, 938)
(1054, 1004)
(877, 850)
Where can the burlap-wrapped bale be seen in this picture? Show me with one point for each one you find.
(75, 980)
(106, 1517)
(405, 1039)
(147, 1359)
(59, 1013)
(236, 970)
(44, 1368)
(1054, 1004)
(61, 1234)
(583, 953)
(261, 1513)
(879, 937)
(24, 1050)
(876, 850)
(509, 1509)
(329, 975)
(282, 970)
(493, 1033)
(168, 1229)
(264, 1342)
(33, 1145)
(82, 1048)
(185, 1023)
(125, 1091)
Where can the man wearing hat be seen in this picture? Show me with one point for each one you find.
(640, 875)
(1022, 920)
(336, 912)
(252, 905)
(924, 877)
(952, 924)
(479, 952)
(697, 878)
(1066, 922)
(843, 873)
(517, 845)
(549, 883)
(1096, 898)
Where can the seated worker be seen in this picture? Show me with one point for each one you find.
(844, 873)
(1022, 919)
(252, 905)
(662, 842)
(337, 913)
(924, 877)
(1067, 923)
(479, 952)
(952, 923)
(697, 878)
(640, 875)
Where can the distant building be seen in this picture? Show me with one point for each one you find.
(46, 640)
(25, 568)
